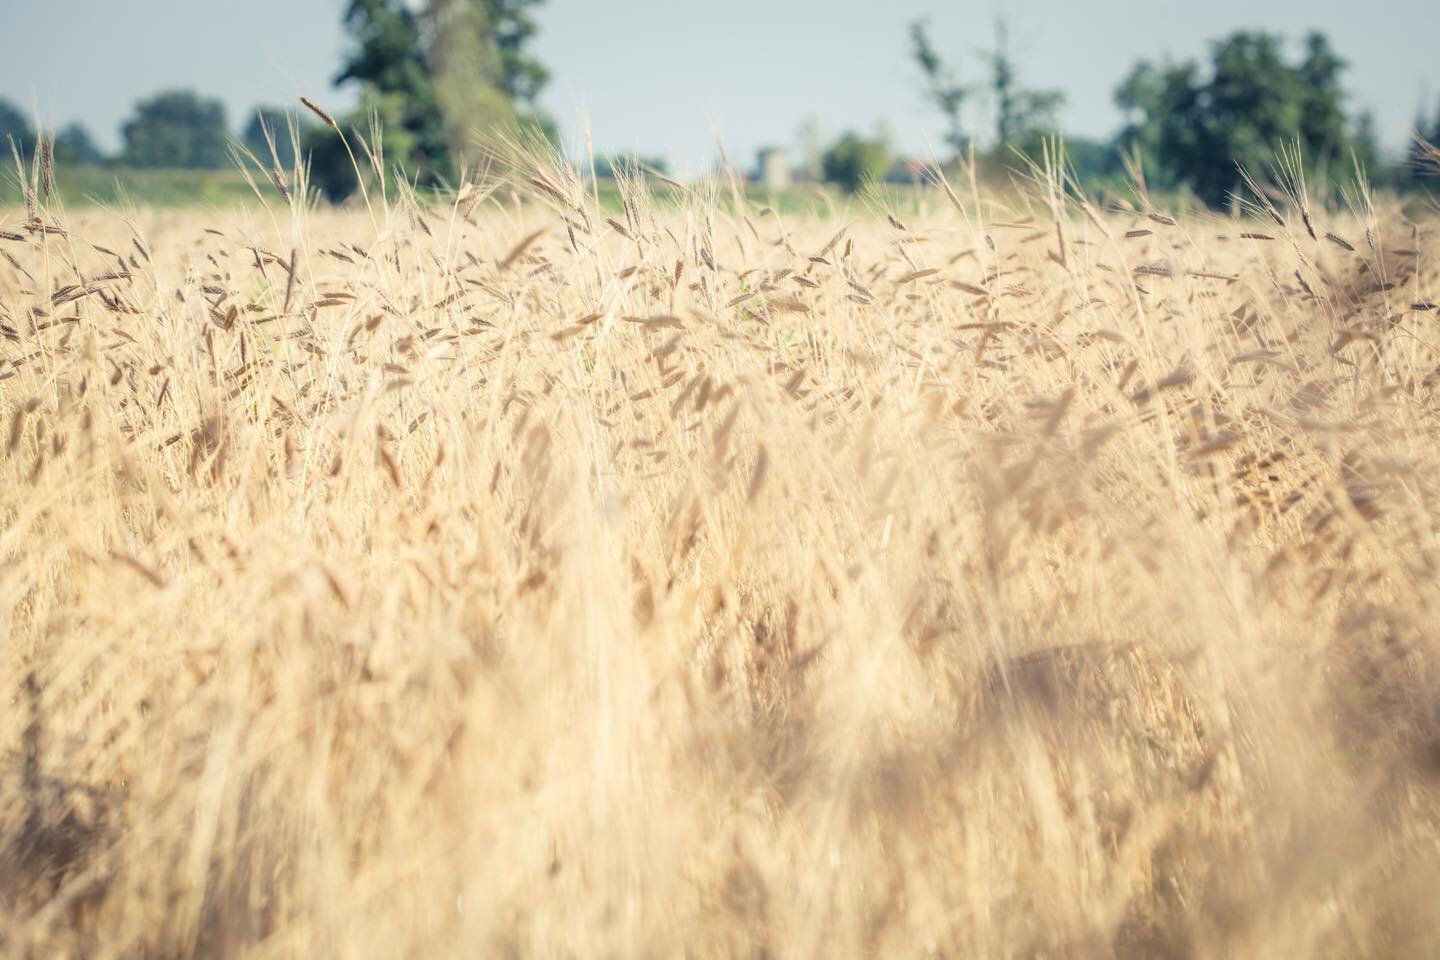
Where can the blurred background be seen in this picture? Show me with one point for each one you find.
(146, 99)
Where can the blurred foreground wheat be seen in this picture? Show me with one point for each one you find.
(509, 579)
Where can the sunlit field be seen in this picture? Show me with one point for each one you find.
(1002, 576)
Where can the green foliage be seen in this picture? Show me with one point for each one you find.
(128, 186)
(513, 27)
(274, 122)
(946, 92)
(467, 74)
(608, 166)
(389, 62)
(510, 26)
(1422, 159)
(331, 168)
(387, 54)
(853, 160)
(74, 145)
(537, 125)
(331, 171)
(1093, 161)
(1194, 127)
(177, 128)
(1022, 115)
(15, 126)
(438, 76)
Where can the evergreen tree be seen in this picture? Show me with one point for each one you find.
(1322, 126)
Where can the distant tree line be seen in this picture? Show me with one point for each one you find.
(73, 143)
(173, 128)
(1188, 126)
(430, 76)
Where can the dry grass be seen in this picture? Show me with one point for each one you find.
(495, 580)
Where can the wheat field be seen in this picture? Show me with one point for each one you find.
(995, 576)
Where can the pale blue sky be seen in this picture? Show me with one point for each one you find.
(659, 75)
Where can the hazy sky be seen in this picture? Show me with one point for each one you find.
(660, 75)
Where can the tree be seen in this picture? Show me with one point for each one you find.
(1422, 160)
(177, 128)
(1021, 115)
(15, 126)
(853, 160)
(389, 63)
(513, 27)
(74, 145)
(467, 72)
(1092, 159)
(1195, 127)
(1151, 97)
(943, 89)
(1323, 127)
(440, 71)
(330, 165)
(267, 124)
